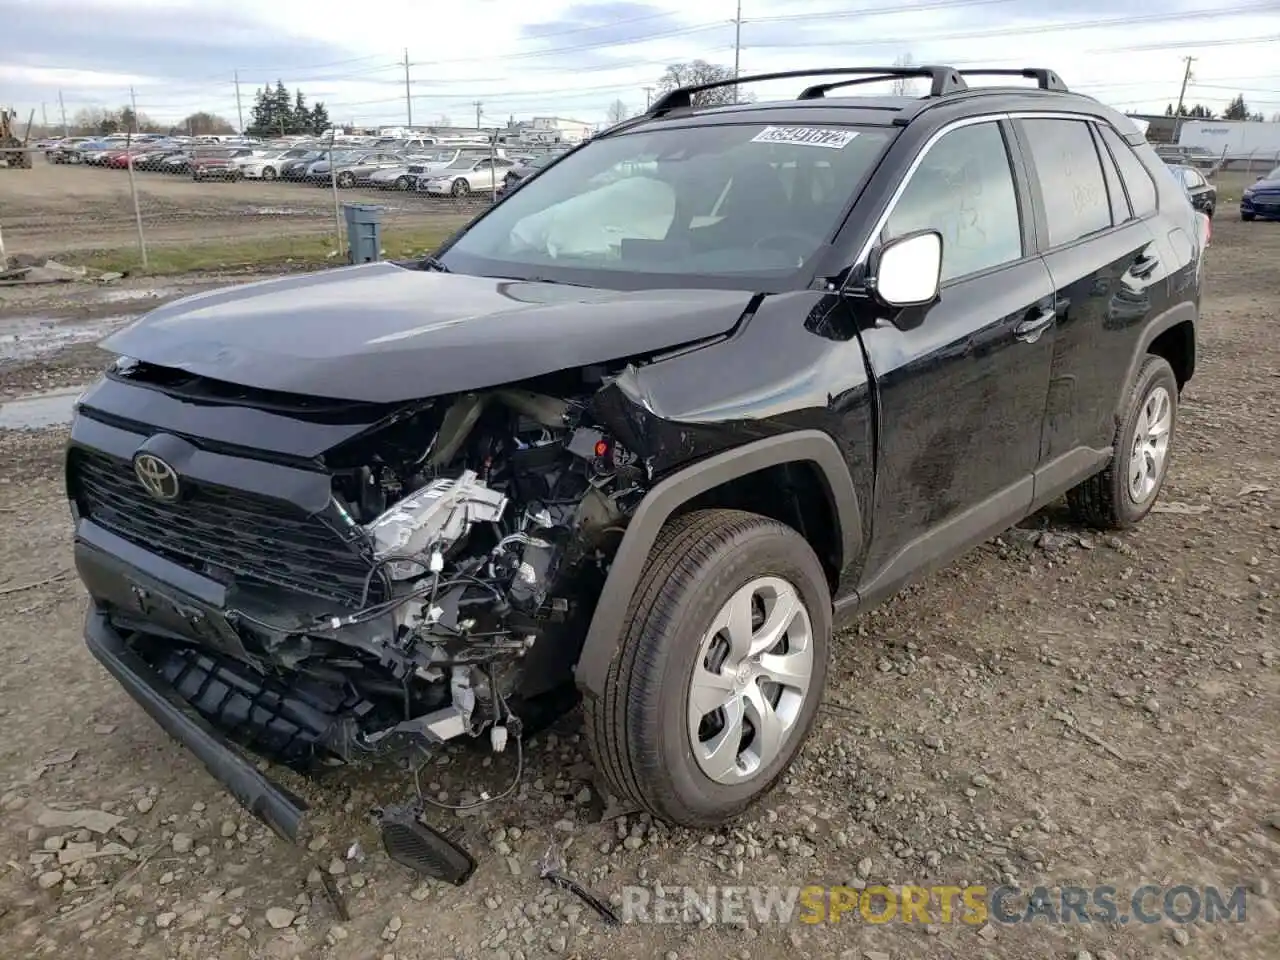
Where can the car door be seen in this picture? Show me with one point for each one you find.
(960, 385)
(1108, 276)
(481, 176)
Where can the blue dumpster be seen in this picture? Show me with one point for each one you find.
(364, 232)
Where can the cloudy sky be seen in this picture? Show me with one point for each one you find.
(573, 59)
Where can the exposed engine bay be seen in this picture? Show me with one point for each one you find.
(488, 520)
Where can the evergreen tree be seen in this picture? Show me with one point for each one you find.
(319, 119)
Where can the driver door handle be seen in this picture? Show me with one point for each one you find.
(1029, 330)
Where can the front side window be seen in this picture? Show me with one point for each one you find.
(964, 189)
(1071, 179)
(728, 201)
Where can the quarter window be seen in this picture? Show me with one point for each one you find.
(1137, 181)
(1071, 179)
(1115, 192)
(964, 189)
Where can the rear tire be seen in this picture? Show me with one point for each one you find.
(1124, 493)
(646, 737)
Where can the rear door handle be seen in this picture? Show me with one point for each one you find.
(1144, 266)
(1029, 330)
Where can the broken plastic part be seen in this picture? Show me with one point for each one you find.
(498, 739)
(433, 517)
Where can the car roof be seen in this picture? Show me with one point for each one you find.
(950, 97)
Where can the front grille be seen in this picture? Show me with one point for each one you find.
(220, 532)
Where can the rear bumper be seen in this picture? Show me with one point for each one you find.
(276, 806)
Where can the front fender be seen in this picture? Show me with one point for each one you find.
(609, 619)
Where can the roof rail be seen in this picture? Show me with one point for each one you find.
(1045, 79)
(942, 81)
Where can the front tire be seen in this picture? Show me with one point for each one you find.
(719, 672)
(460, 188)
(1124, 493)
(268, 173)
(1246, 217)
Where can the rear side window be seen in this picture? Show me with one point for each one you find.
(1142, 189)
(1071, 179)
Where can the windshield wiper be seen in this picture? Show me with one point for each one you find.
(433, 263)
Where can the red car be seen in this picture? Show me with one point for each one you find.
(119, 161)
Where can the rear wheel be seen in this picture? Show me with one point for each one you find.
(720, 669)
(402, 183)
(1124, 493)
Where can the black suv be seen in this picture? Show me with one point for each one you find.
(638, 435)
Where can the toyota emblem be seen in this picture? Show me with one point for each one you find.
(157, 477)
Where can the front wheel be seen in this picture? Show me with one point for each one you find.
(1246, 217)
(402, 183)
(460, 188)
(346, 180)
(268, 173)
(1124, 493)
(719, 672)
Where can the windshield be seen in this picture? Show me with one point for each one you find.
(729, 201)
(1273, 175)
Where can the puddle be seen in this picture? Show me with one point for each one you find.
(130, 296)
(30, 338)
(39, 410)
(279, 212)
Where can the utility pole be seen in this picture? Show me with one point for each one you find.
(44, 118)
(477, 104)
(63, 107)
(737, 46)
(408, 99)
(648, 97)
(239, 109)
(1182, 94)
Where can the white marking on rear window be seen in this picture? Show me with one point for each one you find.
(806, 136)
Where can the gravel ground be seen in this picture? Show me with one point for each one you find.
(1056, 708)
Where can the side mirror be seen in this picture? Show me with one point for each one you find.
(907, 272)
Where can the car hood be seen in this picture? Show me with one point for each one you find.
(384, 333)
(1267, 185)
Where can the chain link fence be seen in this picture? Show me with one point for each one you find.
(130, 202)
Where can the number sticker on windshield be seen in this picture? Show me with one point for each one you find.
(806, 136)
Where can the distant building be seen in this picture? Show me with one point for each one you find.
(555, 130)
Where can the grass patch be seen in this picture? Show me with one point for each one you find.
(276, 251)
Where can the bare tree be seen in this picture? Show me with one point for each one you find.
(699, 71)
(904, 86)
(617, 112)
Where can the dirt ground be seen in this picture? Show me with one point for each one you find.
(1057, 708)
(52, 209)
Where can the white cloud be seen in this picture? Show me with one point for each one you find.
(577, 58)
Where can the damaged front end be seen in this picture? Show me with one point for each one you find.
(486, 551)
(441, 588)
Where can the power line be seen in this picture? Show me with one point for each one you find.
(1066, 27)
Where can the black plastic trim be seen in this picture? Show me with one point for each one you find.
(277, 807)
(668, 496)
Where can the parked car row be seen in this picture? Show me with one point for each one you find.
(456, 170)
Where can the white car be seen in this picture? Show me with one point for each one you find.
(466, 175)
(266, 164)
